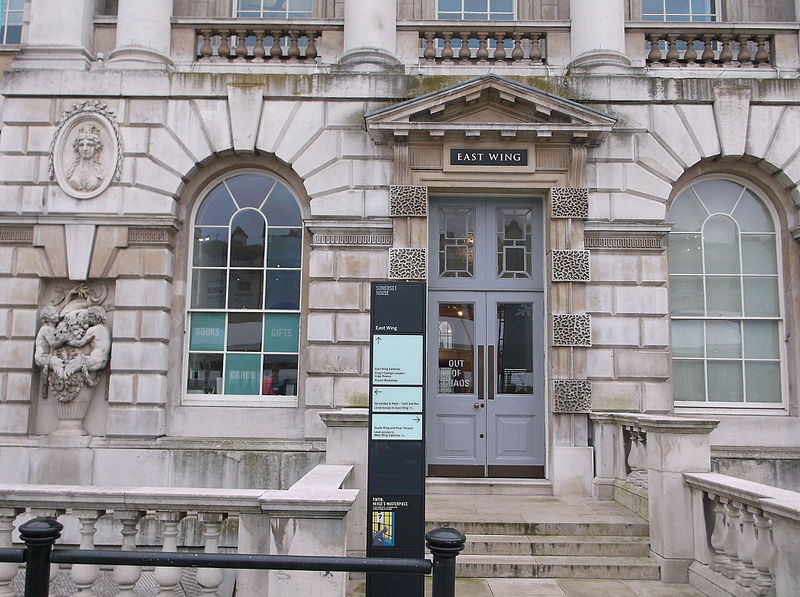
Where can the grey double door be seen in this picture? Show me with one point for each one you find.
(485, 409)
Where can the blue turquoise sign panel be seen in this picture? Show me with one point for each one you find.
(243, 374)
(396, 427)
(397, 399)
(207, 331)
(397, 360)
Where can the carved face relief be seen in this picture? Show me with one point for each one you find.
(86, 153)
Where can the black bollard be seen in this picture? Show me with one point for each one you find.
(39, 535)
(445, 543)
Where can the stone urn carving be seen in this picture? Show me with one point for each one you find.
(72, 349)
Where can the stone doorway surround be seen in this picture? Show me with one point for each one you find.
(495, 112)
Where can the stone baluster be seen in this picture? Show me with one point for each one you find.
(258, 51)
(126, 577)
(206, 51)
(224, 50)
(746, 548)
(311, 46)
(726, 55)
(85, 575)
(447, 50)
(654, 56)
(241, 48)
(276, 51)
(690, 55)
(429, 53)
(672, 50)
(762, 56)
(294, 47)
(483, 51)
(720, 559)
(536, 48)
(499, 49)
(744, 57)
(708, 52)
(168, 578)
(732, 540)
(517, 53)
(464, 53)
(210, 579)
(763, 556)
(8, 570)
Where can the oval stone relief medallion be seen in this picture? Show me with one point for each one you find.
(86, 151)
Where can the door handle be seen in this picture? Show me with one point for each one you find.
(491, 372)
(478, 405)
(480, 372)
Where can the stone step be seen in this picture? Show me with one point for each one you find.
(446, 485)
(559, 528)
(619, 568)
(525, 545)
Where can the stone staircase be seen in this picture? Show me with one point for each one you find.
(514, 532)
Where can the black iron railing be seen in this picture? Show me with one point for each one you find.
(40, 534)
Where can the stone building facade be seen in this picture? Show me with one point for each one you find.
(195, 198)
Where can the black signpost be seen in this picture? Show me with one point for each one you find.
(396, 470)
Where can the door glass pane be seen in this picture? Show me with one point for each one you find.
(514, 348)
(514, 231)
(456, 348)
(457, 242)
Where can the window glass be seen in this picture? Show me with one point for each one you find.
(274, 9)
(11, 12)
(679, 10)
(476, 10)
(244, 308)
(724, 297)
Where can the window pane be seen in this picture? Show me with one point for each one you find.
(279, 375)
(210, 247)
(687, 213)
(285, 247)
(688, 380)
(475, 5)
(761, 340)
(207, 331)
(502, 5)
(281, 332)
(451, 5)
(281, 208)
(247, 239)
(723, 339)
(721, 246)
(719, 196)
(515, 348)
(456, 348)
(244, 332)
(249, 4)
(685, 254)
(752, 215)
(242, 374)
(759, 255)
(761, 297)
(217, 208)
(244, 289)
(249, 190)
(763, 381)
(725, 381)
(678, 7)
(283, 290)
(687, 338)
(652, 6)
(205, 374)
(456, 242)
(514, 231)
(208, 289)
(686, 294)
(723, 296)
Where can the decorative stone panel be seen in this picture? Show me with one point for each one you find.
(17, 235)
(408, 200)
(570, 265)
(569, 202)
(351, 237)
(621, 242)
(160, 236)
(572, 330)
(407, 264)
(572, 396)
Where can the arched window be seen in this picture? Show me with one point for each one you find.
(244, 306)
(725, 298)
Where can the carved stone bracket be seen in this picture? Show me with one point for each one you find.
(569, 202)
(408, 200)
(572, 396)
(16, 235)
(572, 329)
(407, 264)
(570, 265)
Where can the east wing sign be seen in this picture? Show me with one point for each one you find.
(488, 157)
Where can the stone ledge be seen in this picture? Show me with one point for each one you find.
(658, 424)
(348, 417)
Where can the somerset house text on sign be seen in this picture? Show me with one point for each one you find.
(488, 157)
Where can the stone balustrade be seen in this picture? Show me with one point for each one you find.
(749, 538)
(306, 519)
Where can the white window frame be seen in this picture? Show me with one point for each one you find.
(462, 12)
(6, 11)
(235, 11)
(666, 14)
(239, 400)
(742, 408)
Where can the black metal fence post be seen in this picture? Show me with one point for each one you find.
(39, 535)
(445, 543)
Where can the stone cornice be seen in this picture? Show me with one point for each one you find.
(658, 423)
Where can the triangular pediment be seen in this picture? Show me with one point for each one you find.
(491, 105)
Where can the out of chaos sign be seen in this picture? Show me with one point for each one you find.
(488, 157)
